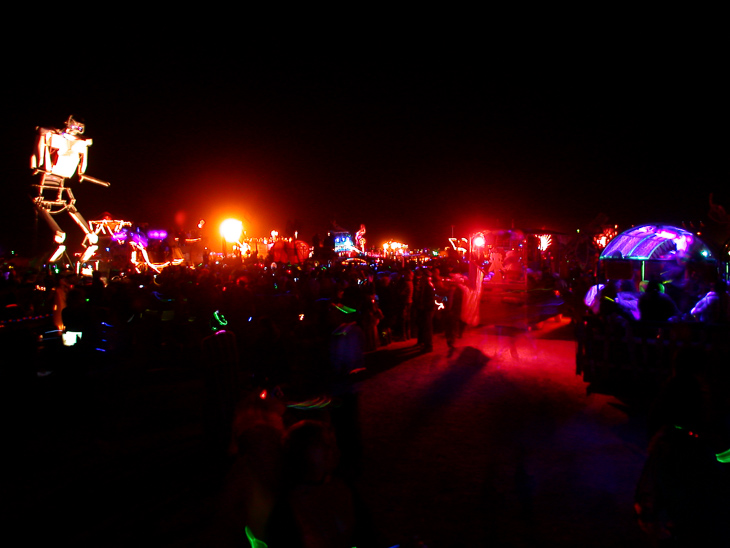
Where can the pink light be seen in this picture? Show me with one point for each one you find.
(667, 234)
(683, 242)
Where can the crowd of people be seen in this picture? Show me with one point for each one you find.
(297, 304)
(706, 301)
(680, 498)
(299, 331)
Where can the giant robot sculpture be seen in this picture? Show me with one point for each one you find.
(58, 155)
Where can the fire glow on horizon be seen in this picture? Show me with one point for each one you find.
(231, 230)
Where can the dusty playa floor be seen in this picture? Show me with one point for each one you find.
(498, 444)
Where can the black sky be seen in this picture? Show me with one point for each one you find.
(410, 141)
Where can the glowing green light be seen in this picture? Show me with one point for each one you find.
(345, 309)
(315, 403)
(723, 457)
(219, 319)
(255, 543)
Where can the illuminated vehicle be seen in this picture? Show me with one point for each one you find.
(517, 264)
(654, 251)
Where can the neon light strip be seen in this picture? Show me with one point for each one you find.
(219, 318)
(723, 457)
(57, 254)
(89, 253)
(641, 242)
(345, 309)
(315, 403)
(255, 543)
(146, 258)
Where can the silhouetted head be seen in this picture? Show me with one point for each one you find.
(311, 451)
(627, 285)
(653, 286)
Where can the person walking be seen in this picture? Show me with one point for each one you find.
(425, 301)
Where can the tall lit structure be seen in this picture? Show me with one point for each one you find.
(59, 155)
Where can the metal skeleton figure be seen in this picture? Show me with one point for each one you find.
(58, 155)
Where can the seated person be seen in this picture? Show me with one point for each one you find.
(628, 298)
(592, 298)
(714, 306)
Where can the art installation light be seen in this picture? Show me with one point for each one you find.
(545, 241)
(647, 242)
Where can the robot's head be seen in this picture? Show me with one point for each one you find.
(74, 127)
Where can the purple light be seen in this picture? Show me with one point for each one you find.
(653, 242)
(139, 239)
(157, 234)
(683, 242)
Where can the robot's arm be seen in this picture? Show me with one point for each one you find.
(41, 158)
(81, 147)
(83, 158)
(94, 180)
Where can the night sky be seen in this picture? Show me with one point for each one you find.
(414, 141)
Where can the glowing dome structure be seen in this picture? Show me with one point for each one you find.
(655, 242)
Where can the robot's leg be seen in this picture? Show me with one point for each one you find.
(59, 235)
(91, 239)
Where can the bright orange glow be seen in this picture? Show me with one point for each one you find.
(395, 247)
(231, 230)
(601, 240)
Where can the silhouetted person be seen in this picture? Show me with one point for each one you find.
(317, 509)
(370, 319)
(454, 326)
(79, 317)
(681, 498)
(628, 298)
(655, 306)
(405, 304)
(425, 303)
